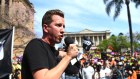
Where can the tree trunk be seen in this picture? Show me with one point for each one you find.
(130, 26)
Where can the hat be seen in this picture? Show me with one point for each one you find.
(98, 63)
(120, 63)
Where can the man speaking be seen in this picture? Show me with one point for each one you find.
(40, 56)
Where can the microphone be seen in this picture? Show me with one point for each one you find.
(68, 41)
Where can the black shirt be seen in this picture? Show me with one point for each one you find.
(37, 55)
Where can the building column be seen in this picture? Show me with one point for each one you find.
(79, 40)
(97, 40)
(102, 38)
(93, 40)
(10, 9)
(76, 40)
(2, 8)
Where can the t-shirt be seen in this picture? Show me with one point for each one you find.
(37, 55)
(88, 72)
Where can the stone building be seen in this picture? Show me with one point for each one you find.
(95, 36)
(18, 14)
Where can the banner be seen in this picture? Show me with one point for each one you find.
(5, 52)
(87, 43)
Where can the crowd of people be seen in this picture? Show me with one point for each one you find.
(112, 67)
(16, 68)
(96, 66)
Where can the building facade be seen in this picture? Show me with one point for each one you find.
(18, 14)
(95, 36)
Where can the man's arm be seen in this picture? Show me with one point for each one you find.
(56, 72)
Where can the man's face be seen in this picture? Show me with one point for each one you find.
(56, 29)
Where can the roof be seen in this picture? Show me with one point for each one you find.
(87, 31)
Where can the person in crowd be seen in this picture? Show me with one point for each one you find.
(107, 63)
(107, 69)
(16, 72)
(132, 73)
(16, 66)
(97, 68)
(136, 68)
(102, 72)
(40, 56)
(72, 71)
(113, 62)
(88, 70)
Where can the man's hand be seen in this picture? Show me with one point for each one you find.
(62, 54)
(72, 50)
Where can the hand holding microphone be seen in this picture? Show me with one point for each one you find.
(70, 47)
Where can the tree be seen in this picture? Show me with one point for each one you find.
(123, 42)
(136, 40)
(118, 6)
(137, 2)
(115, 42)
(103, 45)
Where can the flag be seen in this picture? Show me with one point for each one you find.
(87, 43)
(5, 52)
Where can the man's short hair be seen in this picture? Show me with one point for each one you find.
(47, 18)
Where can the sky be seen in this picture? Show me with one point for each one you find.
(87, 14)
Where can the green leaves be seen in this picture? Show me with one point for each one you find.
(117, 5)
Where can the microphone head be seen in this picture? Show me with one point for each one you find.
(68, 41)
